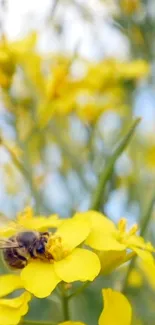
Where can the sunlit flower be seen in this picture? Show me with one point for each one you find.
(117, 310)
(12, 309)
(27, 221)
(105, 236)
(70, 263)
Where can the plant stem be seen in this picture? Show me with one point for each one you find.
(145, 221)
(79, 290)
(65, 305)
(36, 322)
(107, 170)
(26, 175)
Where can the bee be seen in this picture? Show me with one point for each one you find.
(25, 245)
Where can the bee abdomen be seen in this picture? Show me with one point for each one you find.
(14, 259)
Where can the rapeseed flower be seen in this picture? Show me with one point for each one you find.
(117, 310)
(12, 309)
(69, 262)
(27, 221)
(117, 241)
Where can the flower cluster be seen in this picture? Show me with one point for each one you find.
(101, 87)
(82, 247)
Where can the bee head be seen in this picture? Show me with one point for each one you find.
(41, 243)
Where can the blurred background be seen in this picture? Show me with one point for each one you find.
(74, 74)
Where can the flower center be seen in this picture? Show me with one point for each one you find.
(55, 248)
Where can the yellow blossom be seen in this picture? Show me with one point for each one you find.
(105, 236)
(89, 112)
(69, 262)
(12, 309)
(27, 221)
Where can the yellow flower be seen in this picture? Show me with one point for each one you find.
(69, 263)
(117, 310)
(11, 310)
(105, 236)
(26, 220)
(11, 54)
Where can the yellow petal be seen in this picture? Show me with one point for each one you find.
(117, 310)
(103, 231)
(73, 232)
(11, 310)
(27, 220)
(147, 257)
(80, 265)
(104, 241)
(110, 260)
(149, 272)
(41, 223)
(39, 278)
(97, 220)
(9, 283)
(138, 242)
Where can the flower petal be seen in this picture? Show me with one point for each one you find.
(41, 223)
(97, 220)
(39, 278)
(103, 231)
(11, 310)
(27, 220)
(9, 283)
(111, 260)
(73, 232)
(117, 310)
(139, 242)
(149, 272)
(104, 241)
(147, 257)
(80, 265)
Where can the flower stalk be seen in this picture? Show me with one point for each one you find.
(107, 170)
(65, 303)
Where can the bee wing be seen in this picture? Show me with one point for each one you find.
(6, 243)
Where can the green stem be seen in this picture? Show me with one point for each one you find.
(79, 290)
(107, 170)
(145, 221)
(65, 304)
(27, 176)
(36, 322)
(72, 157)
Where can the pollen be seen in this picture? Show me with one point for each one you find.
(56, 248)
